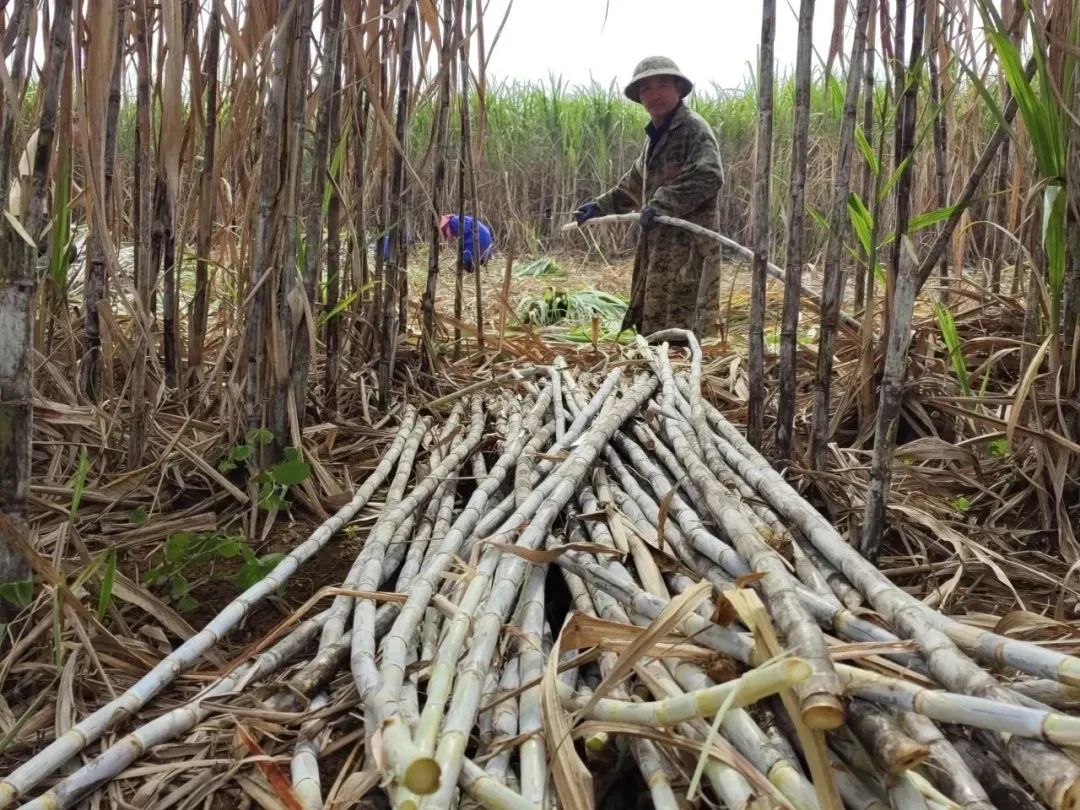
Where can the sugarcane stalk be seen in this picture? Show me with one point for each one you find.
(949, 770)
(848, 595)
(934, 798)
(488, 791)
(904, 794)
(819, 695)
(827, 611)
(616, 581)
(569, 475)
(644, 751)
(752, 686)
(504, 719)
(987, 647)
(532, 754)
(421, 773)
(421, 591)
(445, 668)
(1004, 792)
(335, 627)
(774, 271)
(750, 741)
(726, 781)
(880, 733)
(1047, 692)
(109, 764)
(852, 789)
(604, 532)
(33, 771)
(962, 709)
(304, 768)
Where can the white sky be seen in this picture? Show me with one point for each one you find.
(713, 41)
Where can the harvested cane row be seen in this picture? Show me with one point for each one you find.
(720, 635)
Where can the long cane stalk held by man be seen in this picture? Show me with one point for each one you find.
(771, 268)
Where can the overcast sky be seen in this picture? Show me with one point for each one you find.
(713, 41)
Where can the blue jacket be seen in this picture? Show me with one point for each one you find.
(486, 241)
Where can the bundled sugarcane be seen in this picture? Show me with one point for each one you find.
(707, 637)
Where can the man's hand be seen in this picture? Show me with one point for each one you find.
(586, 212)
(648, 218)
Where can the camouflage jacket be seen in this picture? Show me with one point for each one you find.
(675, 282)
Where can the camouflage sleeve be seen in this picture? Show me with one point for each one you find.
(701, 177)
(626, 196)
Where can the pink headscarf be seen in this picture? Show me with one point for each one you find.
(444, 227)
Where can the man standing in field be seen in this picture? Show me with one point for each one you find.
(678, 174)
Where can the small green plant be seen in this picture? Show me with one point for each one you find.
(185, 551)
(18, 593)
(997, 448)
(254, 567)
(240, 454)
(947, 324)
(274, 482)
(961, 504)
(537, 268)
(550, 308)
(577, 308)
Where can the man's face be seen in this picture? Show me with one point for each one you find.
(659, 96)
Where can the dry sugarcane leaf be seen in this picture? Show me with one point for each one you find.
(753, 614)
(721, 751)
(258, 792)
(662, 516)
(1019, 622)
(671, 617)
(18, 228)
(573, 782)
(1022, 390)
(584, 632)
(931, 448)
(356, 786)
(543, 557)
(1059, 607)
(279, 783)
(962, 545)
(865, 649)
(746, 580)
(724, 613)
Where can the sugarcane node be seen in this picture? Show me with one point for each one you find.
(1068, 673)
(422, 776)
(821, 712)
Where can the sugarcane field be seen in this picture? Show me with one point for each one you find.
(520, 405)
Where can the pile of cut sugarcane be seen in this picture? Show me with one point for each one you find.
(722, 636)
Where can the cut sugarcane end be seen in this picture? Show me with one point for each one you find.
(595, 743)
(422, 776)
(1068, 673)
(822, 712)
(1070, 798)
